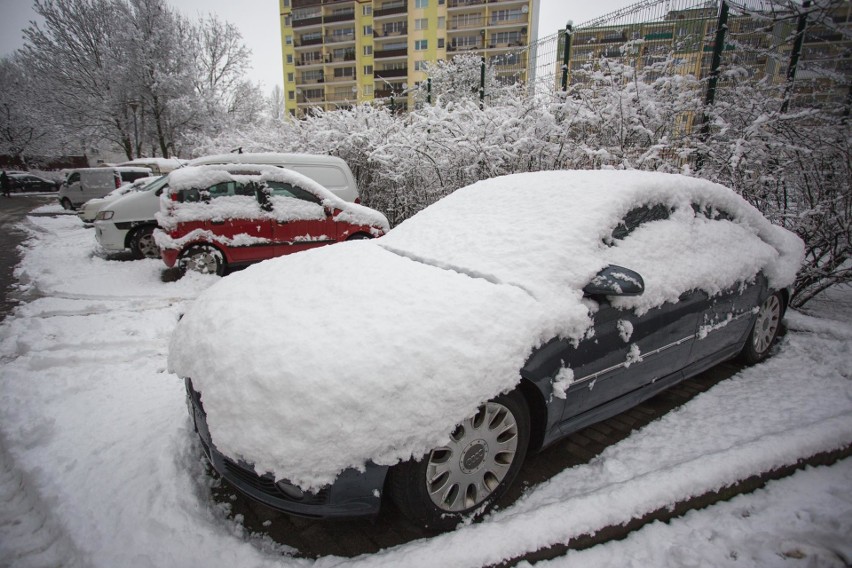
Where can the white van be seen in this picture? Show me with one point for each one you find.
(84, 184)
(128, 223)
(330, 172)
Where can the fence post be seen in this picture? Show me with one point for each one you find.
(429, 90)
(795, 54)
(482, 84)
(567, 55)
(716, 62)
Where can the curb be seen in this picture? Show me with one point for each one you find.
(665, 514)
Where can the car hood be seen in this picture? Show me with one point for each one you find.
(378, 365)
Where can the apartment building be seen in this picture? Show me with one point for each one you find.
(338, 53)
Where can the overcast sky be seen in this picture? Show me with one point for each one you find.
(258, 21)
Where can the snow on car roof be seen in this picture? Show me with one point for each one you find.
(373, 350)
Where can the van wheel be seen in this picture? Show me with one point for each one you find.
(142, 244)
(359, 236)
(205, 259)
(66, 204)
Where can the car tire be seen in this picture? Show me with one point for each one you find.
(142, 243)
(359, 237)
(467, 476)
(66, 204)
(764, 331)
(205, 259)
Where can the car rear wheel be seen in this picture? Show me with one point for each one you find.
(66, 204)
(466, 476)
(142, 244)
(205, 259)
(765, 330)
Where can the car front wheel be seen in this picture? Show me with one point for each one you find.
(205, 259)
(66, 204)
(142, 244)
(765, 330)
(466, 476)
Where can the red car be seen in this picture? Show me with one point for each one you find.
(213, 218)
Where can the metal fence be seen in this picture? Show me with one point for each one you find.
(805, 49)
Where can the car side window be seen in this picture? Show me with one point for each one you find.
(712, 212)
(639, 216)
(290, 190)
(73, 178)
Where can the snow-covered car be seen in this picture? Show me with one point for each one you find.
(217, 217)
(89, 210)
(24, 182)
(427, 364)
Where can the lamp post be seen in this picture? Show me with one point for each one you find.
(133, 106)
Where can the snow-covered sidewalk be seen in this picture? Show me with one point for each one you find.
(100, 468)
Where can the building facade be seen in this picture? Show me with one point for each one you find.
(337, 53)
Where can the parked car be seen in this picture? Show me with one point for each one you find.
(424, 366)
(84, 184)
(89, 210)
(25, 183)
(158, 166)
(130, 222)
(221, 216)
(330, 172)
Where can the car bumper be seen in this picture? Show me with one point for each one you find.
(353, 494)
(110, 237)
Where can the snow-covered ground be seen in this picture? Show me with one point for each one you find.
(98, 465)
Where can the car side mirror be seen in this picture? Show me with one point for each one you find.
(615, 281)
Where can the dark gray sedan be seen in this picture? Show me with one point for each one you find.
(425, 365)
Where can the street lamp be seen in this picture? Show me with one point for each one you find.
(133, 106)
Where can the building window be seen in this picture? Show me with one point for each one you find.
(421, 3)
(368, 69)
(288, 20)
(286, 3)
(288, 40)
(291, 95)
(368, 90)
(368, 50)
(290, 77)
(290, 58)
(440, 43)
(442, 22)
(368, 11)
(368, 30)
(420, 65)
(421, 24)
(421, 45)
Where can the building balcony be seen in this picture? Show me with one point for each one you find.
(306, 22)
(469, 24)
(390, 73)
(500, 22)
(308, 42)
(401, 9)
(381, 34)
(339, 38)
(343, 79)
(347, 17)
(457, 48)
(384, 54)
(463, 3)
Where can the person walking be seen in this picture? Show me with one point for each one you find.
(6, 184)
